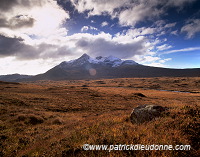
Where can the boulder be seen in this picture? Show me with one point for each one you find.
(145, 113)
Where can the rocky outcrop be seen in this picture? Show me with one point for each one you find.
(145, 113)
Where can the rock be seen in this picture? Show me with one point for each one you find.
(139, 95)
(30, 119)
(57, 121)
(145, 113)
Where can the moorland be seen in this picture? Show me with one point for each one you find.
(55, 118)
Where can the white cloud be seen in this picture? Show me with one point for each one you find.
(11, 65)
(163, 47)
(128, 12)
(182, 50)
(93, 28)
(98, 7)
(191, 28)
(169, 25)
(161, 33)
(84, 28)
(178, 3)
(104, 24)
(174, 32)
(39, 17)
(156, 64)
(159, 23)
(135, 32)
(165, 60)
(139, 12)
(151, 60)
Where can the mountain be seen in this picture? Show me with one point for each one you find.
(13, 77)
(110, 61)
(87, 67)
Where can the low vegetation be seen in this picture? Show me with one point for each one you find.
(49, 118)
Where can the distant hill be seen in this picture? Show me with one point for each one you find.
(13, 77)
(86, 67)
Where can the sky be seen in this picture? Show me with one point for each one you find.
(36, 35)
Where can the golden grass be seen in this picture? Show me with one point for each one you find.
(49, 118)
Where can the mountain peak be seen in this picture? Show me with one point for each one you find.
(86, 56)
(81, 60)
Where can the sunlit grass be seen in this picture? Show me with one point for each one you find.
(57, 118)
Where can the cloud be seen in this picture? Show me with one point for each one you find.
(7, 5)
(156, 64)
(159, 23)
(38, 17)
(98, 7)
(103, 44)
(174, 32)
(10, 65)
(150, 32)
(169, 25)
(191, 28)
(16, 22)
(16, 47)
(139, 12)
(178, 3)
(128, 12)
(102, 47)
(100, 44)
(165, 60)
(143, 31)
(28, 29)
(9, 46)
(93, 28)
(182, 50)
(86, 28)
(103, 24)
(152, 60)
(163, 47)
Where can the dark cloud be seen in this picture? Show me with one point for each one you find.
(16, 47)
(21, 21)
(16, 22)
(9, 46)
(3, 22)
(53, 51)
(103, 47)
(6, 5)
